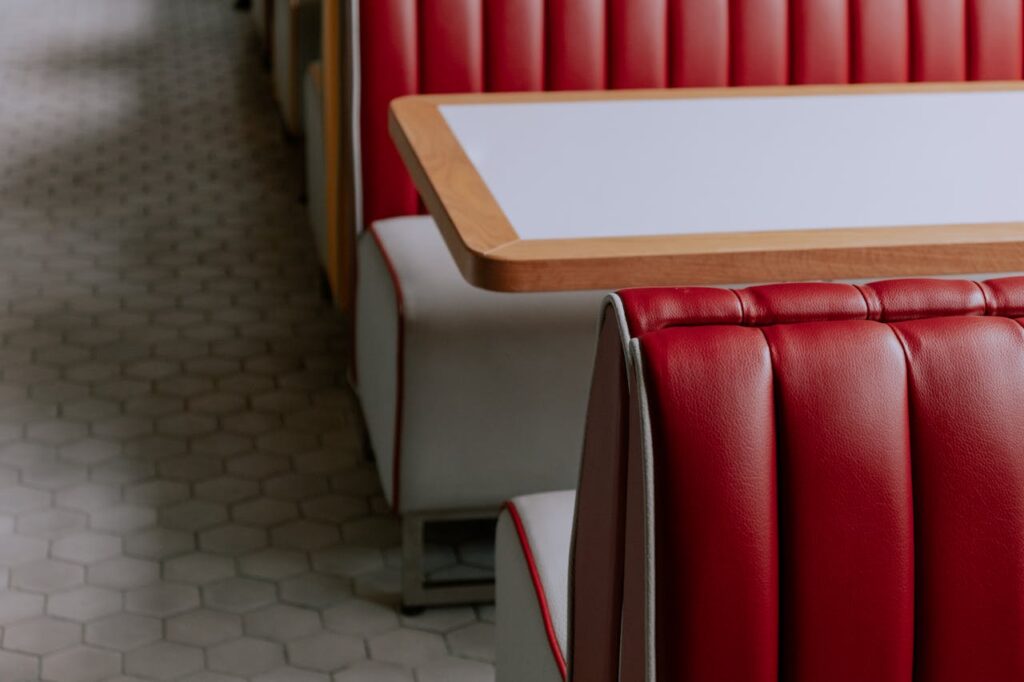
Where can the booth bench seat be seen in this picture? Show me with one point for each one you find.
(470, 397)
(813, 481)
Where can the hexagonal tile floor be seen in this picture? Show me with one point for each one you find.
(183, 494)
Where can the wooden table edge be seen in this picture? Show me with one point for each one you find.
(611, 263)
(493, 256)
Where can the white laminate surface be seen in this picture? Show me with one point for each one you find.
(656, 167)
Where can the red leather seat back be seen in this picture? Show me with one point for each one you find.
(837, 479)
(431, 46)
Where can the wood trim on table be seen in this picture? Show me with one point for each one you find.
(452, 190)
(490, 254)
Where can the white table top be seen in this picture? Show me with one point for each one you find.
(611, 168)
(587, 190)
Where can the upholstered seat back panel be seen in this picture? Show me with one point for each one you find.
(967, 401)
(994, 39)
(939, 51)
(880, 36)
(514, 36)
(431, 46)
(821, 41)
(717, 547)
(845, 505)
(837, 499)
(389, 44)
(451, 47)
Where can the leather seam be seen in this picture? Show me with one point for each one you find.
(909, 380)
(538, 586)
(743, 309)
(991, 309)
(867, 304)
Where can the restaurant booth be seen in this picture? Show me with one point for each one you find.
(746, 451)
(515, 340)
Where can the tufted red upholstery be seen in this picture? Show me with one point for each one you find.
(838, 484)
(425, 46)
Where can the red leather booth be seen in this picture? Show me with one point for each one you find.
(438, 400)
(435, 46)
(802, 481)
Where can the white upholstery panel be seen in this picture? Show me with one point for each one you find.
(316, 169)
(524, 646)
(495, 385)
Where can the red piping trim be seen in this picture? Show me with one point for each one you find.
(538, 587)
(396, 479)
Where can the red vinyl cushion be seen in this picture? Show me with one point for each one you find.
(638, 35)
(838, 480)
(389, 30)
(716, 515)
(939, 40)
(994, 39)
(514, 35)
(880, 48)
(431, 46)
(759, 40)
(699, 43)
(821, 41)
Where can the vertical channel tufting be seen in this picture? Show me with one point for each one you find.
(698, 37)
(899, 533)
(967, 402)
(715, 497)
(846, 510)
(514, 49)
(577, 45)
(938, 35)
(879, 35)
(637, 43)
(759, 42)
(821, 41)
(390, 69)
(414, 46)
(994, 39)
(451, 46)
